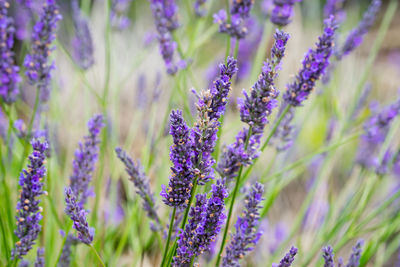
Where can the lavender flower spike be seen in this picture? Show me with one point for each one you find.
(29, 212)
(65, 258)
(254, 110)
(9, 77)
(40, 258)
(181, 180)
(141, 182)
(354, 260)
(288, 259)
(335, 8)
(78, 216)
(246, 236)
(85, 159)
(82, 43)
(282, 12)
(164, 13)
(198, 7)
(355, 37)
(38, 67)
(328, 257)
(314, 65)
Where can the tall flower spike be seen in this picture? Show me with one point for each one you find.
(355, 37)
(165, 17)
(65, 258)
(78, 216)
(254, 110)
(82, 42)
(141, 182)
(204, 225)
(37, 64)
(354, 260)
(282, 12)
(28, 210)
(40, 258)
(85, 160)
(239, 13)
(335, 8)
(180, 183)
(246, 235)
(314, 65)
(9, 77)
(328, 256)
(288, 259)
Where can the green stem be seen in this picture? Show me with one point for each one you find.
(171, 226)
(97, 256)
(235, 191)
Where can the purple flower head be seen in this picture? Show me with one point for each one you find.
(82, 43)
(288, 259)
(65, 258)
(355, 37)
(254, 110)
(28, 210)
(240, 12)
(141, 182)
(204, 224)
(78, 216)
(181, 180)
(165, 17)
(40, 258)
(282, 12)
(328, 257)
(9, 77)
(376, 130)
(198, 7)
(38, 67)
(354, 260)
(85, 160)
(118, 16)
(335, 8)
(314, 65)
(246, 236)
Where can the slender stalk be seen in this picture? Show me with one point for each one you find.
(171, 226)
(97, 256)
(235, 191)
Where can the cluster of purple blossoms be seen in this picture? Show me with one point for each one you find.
(335, 8)
(198, 7)
(355, 37)
(282, 12)
(314, 65)
(119, 10)
(206, 219)
(288, 259)
(376, 130)
(354, 260)
(9, 77)
(239, 13)
(181, 180)
(85, 159)
(38, 67)
(82, 43)
(29, 212)
(165, 16)
(246, 235)
(65, 258)
(40, 258)
(78, 216)
(141, 182)
(254, 110)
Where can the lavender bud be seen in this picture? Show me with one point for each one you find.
(38, 67)
(40, 258)
(28, 210)
(65, 258)
(8, 69)
(246, 235)
(335, 8)
(354, 260)
(328, 257)
(141, 182)
(288, 259)
(282, 12)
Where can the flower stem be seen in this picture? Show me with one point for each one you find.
(97, 256)
(171, 226)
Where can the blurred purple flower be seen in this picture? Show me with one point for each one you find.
(118, 16)
(335, 8)
(288, 259)
(40, 258)
(282, 12)
(65, 258)
(198, 7)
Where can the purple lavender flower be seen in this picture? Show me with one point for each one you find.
(29, 212)
(314, 65)
(246, 235)
(38, 67)
(178, 192)
(204, 225)
(240, 11)
(198, 7)
(78, 215)
(328, 257)
(119, 10)
(335, 8)
(376, 130)
(65, 258)
(82, 43)
(254, 110)
(9, 77)
(288, 259)
(355, 37)
(282, 12)
(85, 159)
(141, 182)
(354, 260)
(40, 258)
(165, 17)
